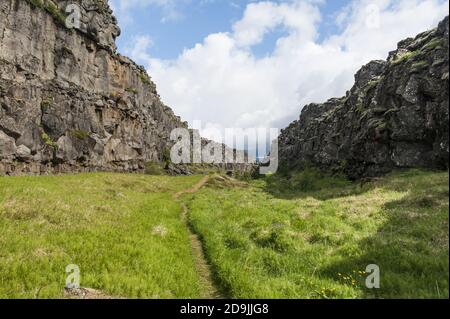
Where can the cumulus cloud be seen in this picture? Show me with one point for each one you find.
(260, 18)
(220, 81)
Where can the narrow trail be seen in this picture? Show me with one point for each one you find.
(209, 289)
(193, 189)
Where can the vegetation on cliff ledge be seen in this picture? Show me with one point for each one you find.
(52, 9)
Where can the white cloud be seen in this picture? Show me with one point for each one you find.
(141, 45)
(221, 82)
(260, 18)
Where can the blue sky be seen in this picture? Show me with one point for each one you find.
(173, 29)
(251, 64)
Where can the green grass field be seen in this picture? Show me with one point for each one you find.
(302, 236)
(273, 240)
(123, 231)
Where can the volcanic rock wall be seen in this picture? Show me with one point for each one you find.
(68, 101)
(395, 116)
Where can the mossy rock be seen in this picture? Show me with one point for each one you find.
(80, 134)
(435, 44)
(418, 66)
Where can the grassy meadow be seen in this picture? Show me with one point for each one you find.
(298, 236)
(275, 239)
(123, 231)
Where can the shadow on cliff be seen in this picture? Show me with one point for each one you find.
(411, 247)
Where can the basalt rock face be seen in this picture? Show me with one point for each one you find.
(68, 101)
(395, 116)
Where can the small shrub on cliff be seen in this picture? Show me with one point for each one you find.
(101, 5)
(406, 56)
(166, 156)
(79, 134)
(47, 140)
(132, 90)
(144, 78)
(45, 104)
(56, 13)
(37, 3)
(436, 43)
(51, 8)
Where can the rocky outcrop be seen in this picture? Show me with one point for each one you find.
(395, 116)
(68, 101)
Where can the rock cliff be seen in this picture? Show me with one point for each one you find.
(68, 101)
(395, 116)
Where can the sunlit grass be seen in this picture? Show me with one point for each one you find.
(123, 231)
(269, 240)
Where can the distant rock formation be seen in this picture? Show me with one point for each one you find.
(395, 116)
(68, 101)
